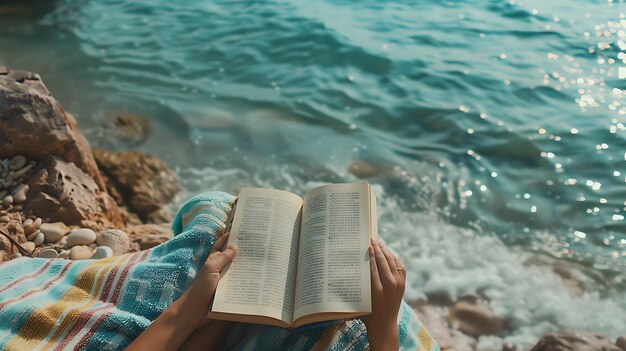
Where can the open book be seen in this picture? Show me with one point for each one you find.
(299, 260)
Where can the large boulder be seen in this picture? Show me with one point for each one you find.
(62, 192)
(34, 124)
(141, 181)
(473, 316)
(573, 340)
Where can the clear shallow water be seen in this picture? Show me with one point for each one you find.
(496, 129)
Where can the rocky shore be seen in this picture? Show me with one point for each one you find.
(61, 199)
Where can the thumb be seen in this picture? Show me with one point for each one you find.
(217, 260)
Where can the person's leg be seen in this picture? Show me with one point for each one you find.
(209, 337)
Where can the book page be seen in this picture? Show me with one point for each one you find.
(261, 278)
(333, 262)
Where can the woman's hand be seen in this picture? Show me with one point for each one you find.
(174, 326)
(388, 282)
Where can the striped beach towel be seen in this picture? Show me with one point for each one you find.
(104, 304)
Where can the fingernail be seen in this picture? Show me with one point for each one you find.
(380, 242)
(373, 241)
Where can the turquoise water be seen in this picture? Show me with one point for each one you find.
(494, 130)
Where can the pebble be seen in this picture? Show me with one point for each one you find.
(53, 231)
(23, 171)
(4, 219)
(39, 239)
(32, 235)
(31, 226)
(29, 246)
(102, 252)
(64, 254)
(80, 253)
(19, 195)
(17, 255)
(8, 200)
(48, 253)
(3, 193)
(116, 239)
(17, 162)
(82, 236)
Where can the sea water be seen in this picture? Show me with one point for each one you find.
(492, 131)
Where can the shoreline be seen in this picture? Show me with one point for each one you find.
(63, 197)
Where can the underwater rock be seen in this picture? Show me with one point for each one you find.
(573, 340)
(132, 129)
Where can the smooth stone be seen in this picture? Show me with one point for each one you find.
(23, 171)
(19, 196)
(17, 255)
(102, 252)
(17, 162)
(29, 246)
(8, 200)
(53, 231)
(621, 342)
(48, 253)
(5, 243)
(33, 235)
(30, 225)
(64, 254)
(39, 239)
(27, 223)
(4, 219)
(116, 239)
(80, 253)
(83, 236)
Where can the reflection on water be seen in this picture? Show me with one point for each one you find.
(500, 119)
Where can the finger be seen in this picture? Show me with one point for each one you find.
(217, 260)
(376, 283)
(219, 244)
(402, 271)
(386, 276)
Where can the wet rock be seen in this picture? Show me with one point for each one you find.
(64, 193)
(102, 252)
(116, 239)
(81, 236)
(143, 181)
(80, 253)
(509, 346)
(621, 342)
(366, 169)
(473, 316)
(54, 231)
(48, 253)
(29, 115)
(572, 340)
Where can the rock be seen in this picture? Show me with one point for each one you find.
(83, 236)
(63, 254)
(17, 255)
(621, 342)
(115, 239)
(572, 340)
(62, 192)
(20, 172)
(102, 252)
(54, 231)
(5, 244)
(29, 115)
(4, 219)
(32, 235)
(437, 327)
(365, 169)
(39, 239)
(153, 240)
(7, 201)
(473, 316)
(4, 256)
(509, 346)
(48, 253)
(19, 196)
(17, 162)
(80, 253)
(132, 129)
(156, 232)
(143, 181)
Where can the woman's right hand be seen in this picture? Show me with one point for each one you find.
(388, 282)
